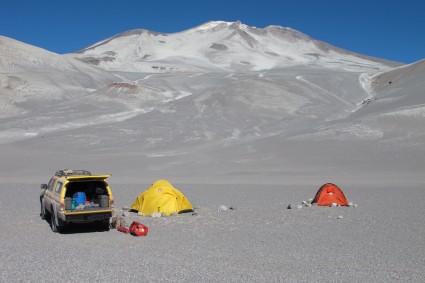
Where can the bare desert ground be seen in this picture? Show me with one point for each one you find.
(382, 240)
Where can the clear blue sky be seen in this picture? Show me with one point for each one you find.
(388, 29)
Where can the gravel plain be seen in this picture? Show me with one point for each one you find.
(260, 240)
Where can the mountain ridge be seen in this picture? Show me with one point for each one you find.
(219, 45)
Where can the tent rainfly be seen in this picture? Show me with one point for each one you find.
(328, 194)
(162, 198)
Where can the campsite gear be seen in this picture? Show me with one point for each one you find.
(103, 201)
(161, 197)
(123, 230)
(117, 222)
(328, 194)
(80, 207)
(80, 198)
(138, 229)
(68, 203)
(79, 185)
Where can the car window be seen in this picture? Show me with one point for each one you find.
(51, 184)
(58, 187)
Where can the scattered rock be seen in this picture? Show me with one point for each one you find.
(355, 205)
(310, 200)
(173, 214)
(292, 206)
(232, 208)
(222, 208)
(350, 204)
(164, 214)
(334, 204)
(308, 205)
(140, 214)
(126, 208)
(340, 217)
(304, 202)
(194, 213)
(155, 215)
(125, 214)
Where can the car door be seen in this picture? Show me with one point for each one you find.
(56, 193)
(48, 194)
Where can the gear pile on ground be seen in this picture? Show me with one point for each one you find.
(117, 222)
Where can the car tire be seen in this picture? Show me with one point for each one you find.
(107, 225)
(56, 227)
(104, 225)
(43, 212)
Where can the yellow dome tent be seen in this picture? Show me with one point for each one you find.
(161, 197)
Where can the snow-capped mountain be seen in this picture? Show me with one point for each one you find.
(219, 45)
(219, 102)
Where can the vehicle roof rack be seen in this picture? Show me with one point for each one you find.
(69, 172)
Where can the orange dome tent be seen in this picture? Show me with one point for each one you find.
(328, 194)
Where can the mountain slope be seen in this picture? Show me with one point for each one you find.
(394, 112)
(222, 102)
(29, 74)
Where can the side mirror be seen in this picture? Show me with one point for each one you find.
(43, 186)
